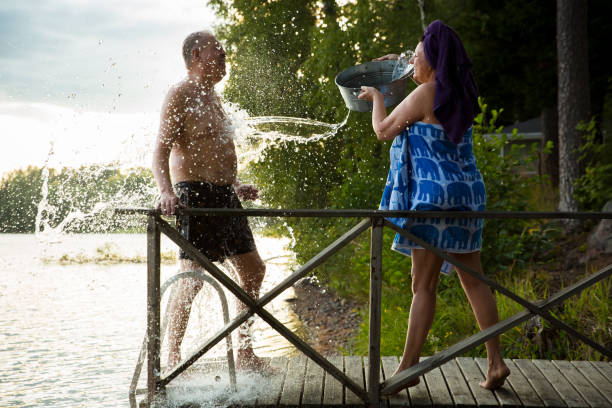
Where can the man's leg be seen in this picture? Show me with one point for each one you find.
(425, 275)
(251, 270)
(484, 307)
(180, 308)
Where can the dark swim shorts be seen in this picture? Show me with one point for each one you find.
(216, 237)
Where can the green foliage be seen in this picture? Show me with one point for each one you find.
(587, 312)
(507, 244)
(284, 59)
(266, 42)
(73, 200)
(594, 188)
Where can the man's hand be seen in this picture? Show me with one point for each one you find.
(168, 203)
(247, 191)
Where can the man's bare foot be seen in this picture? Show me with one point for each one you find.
(248, 361)
(496, 376)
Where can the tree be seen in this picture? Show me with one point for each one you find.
(573, 94)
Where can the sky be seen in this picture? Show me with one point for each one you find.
(82, 81)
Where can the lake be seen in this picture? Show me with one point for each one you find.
(70, 333)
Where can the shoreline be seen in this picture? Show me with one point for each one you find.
(331, 322)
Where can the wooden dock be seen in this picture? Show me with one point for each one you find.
(302, 383)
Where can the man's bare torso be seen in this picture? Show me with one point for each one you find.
(204, 148)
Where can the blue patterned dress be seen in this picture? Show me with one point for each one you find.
(429, 172)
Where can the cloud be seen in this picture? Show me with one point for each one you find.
(101, 55)
(147, 11)
(35, 133)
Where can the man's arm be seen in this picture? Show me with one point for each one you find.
(169, 130)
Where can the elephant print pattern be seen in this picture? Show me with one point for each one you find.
(429, 172)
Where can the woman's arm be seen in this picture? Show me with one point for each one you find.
(412, 109)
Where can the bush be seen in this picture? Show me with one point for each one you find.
(594, 188)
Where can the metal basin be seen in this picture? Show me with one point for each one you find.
(375, 73)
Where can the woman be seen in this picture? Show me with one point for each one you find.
(433, 168)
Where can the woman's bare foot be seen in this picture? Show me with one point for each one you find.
(496, 376)
(412, 383)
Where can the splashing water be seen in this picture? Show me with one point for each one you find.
(256, 134)
(300, 122)
(83, 199)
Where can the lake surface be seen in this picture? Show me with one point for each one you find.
(70, 334)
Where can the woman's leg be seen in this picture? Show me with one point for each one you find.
(425, 274)
(485, 309)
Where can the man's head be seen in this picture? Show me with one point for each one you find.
(204, 55)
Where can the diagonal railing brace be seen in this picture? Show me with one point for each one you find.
(255, 307)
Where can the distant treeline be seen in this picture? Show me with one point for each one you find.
(73, 199)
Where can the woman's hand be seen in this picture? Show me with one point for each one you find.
(387, 57)
(368, 93)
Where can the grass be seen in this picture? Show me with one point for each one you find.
(588, 312)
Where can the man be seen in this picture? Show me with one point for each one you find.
(195, 151)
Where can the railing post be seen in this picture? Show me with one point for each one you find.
(153, 311)
(375, 310)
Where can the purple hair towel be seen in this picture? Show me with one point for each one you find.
(456, 98)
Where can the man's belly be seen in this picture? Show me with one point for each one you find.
(219, 169)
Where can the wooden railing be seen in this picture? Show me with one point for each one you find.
(376, 220)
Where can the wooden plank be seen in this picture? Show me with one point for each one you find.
(563, 387)
(373, 373)
(401, 399)
(438, 391)
(580, 383)
(473, 376)
(332, 390)
(292, 388)
(153, 308)
(270, 390)
(542, 387)
(313, 385)
(604, 368)
(459, 389)
(354, 370)
(504, 394)
(419, 395)
(522, 387)
(384, 401)
(594, 376)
